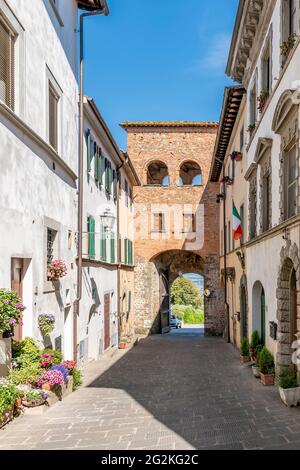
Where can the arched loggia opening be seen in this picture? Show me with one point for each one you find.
(158, 174)
(190, 174)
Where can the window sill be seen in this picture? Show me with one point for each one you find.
(31, 134)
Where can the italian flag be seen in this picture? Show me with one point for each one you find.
(236, 223)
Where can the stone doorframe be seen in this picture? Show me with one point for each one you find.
(289, 261)
(244, 285)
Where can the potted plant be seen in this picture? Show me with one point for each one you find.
(266, 367)
(227, 180)
(57, 269)
(34, 398)
(254, 343)
(9, 394)
(288, 45)
(262, 100)
(11, 312)
(288, 388)
(236, 156)
(46, 323)
(251, 128)
(244, 350)
(123, 343)
(50, 379)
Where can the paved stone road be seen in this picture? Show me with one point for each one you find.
(180, 391)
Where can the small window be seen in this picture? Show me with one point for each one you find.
(53, 117)
(266, 202)
(291, 183)
(242, 139)
(51, 238)
(7, 65)
(253, 106)
(266, 71)
(189, 223)
(70, 239)
(159, 222)
(252, 210)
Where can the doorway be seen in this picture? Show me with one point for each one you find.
(68, 334)
(244, 322)
(17, 273)
(259, 310)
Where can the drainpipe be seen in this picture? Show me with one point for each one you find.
(103, 11)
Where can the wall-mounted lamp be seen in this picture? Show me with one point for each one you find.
(108, 220)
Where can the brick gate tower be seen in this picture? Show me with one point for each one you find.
(176, 218)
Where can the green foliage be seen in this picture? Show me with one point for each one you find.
(26, 375)
(8, 395)
(255, 341)
(46, 324)
(244, 347)
(56, 355)
(11, 310)
(189, 315)
(77, 378)
(35, 395)
(26, 352)
(184, 292)
(288, 379)
(266, 362)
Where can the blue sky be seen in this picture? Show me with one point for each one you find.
(159, 60)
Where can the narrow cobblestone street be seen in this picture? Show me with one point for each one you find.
(180, 391)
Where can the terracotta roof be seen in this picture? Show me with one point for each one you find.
(127, 125)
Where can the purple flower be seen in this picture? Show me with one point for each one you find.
(6, 302)
(12, 321)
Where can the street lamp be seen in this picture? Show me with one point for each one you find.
(108, 220)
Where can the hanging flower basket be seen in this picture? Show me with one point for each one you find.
(236, 156)
(262, 100)
(288, 45)
(46, 323)
(57, 269)
(11, 312)
(251, 128)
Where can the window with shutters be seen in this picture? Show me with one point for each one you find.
(112, 248)
(252, 213)
(91, 237)
(51, 238)
(290, 192)
(253, 105)
(103, 250)
(53, 117)
(7, 64)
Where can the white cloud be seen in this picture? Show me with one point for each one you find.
(215, 55)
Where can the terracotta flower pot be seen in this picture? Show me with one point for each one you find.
(18, 403)
(244, 359)
(46, 387)
(267, 379)
(122, 346)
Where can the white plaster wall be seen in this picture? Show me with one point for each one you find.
(30, 189)
(263, 258)
(102, 277)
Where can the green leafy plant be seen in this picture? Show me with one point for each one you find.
(262, 99)
(36, 395)
(184, 292)
(26, 375)
(255, 341)
(46, 323)
(77, 378)
(266, 362)
(8, 395)
(288, 45)
(26, 352)
(287, 379)
(56, 356)
(11, 310)
(244, 349)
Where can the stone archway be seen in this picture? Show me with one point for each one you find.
(288, 299)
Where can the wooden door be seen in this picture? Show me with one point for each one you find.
(106, 321)
(263, 317)
(17, 286)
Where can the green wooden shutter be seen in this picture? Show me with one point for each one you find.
(106, 175)
(110, 178)
(112, 249)
(91, 237)
(96, 162)
(102, 243)
(88, 147)
(125, 251)
(130, 252)
(115, 184)
(99, 156)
